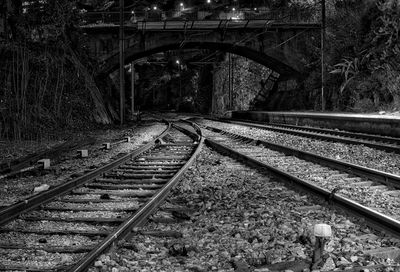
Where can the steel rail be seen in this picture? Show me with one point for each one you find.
(341, 133)
(359, 141)
(138, 218)
(33, 202)
(373, 218)
(376, 175)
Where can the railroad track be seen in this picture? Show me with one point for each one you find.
(69, 226)
(28, 162)
(367, 193)
(389, 144)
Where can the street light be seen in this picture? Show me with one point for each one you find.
(155, 8)
(180, 81)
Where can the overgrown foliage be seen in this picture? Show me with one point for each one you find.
(369, 67)
(43, 85)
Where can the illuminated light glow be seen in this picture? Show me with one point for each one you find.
(233, 9)
(255, 8)
(208, 1)
(155, 7)
(178, 62)
(181, 4)
(133, 12)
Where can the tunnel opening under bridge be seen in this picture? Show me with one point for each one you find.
(281, 71)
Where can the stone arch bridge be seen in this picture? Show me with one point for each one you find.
(279, 46)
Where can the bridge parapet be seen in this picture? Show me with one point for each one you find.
(309, 15)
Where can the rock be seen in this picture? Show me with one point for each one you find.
(114, 269)
(196, 268)
(384, 253)
(198, 179)
(343, 261)
(240, 265)
(328, 265)
(98, 264)
(354, 259)
(66, 259)
(329, 247)
(261, 270)
(41, 253)
(105, 196)
(105, 258)
(177, 250)
(211, 229)
(180, 215)
(368, 237)
(41, 188)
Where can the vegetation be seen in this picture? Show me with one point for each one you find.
(366, 59)
(362, 59)
(46, 81)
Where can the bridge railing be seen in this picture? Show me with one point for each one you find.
(310, 15)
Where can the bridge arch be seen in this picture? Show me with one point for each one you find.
(131, 54)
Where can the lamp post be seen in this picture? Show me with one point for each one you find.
(180, 82)
(133, 88)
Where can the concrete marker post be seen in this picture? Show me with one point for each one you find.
(83, 153)
(44, 163)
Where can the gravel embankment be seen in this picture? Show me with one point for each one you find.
(357, 154)
(244, 218)
(16, 189)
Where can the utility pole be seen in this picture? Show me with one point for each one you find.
(229, 81)
(133, 88)
(121, 62)
(232, 81)
(180, 86)
(323, 26)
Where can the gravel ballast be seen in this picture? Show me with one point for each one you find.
(19, 188)
(244, 217)
(357, 154)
